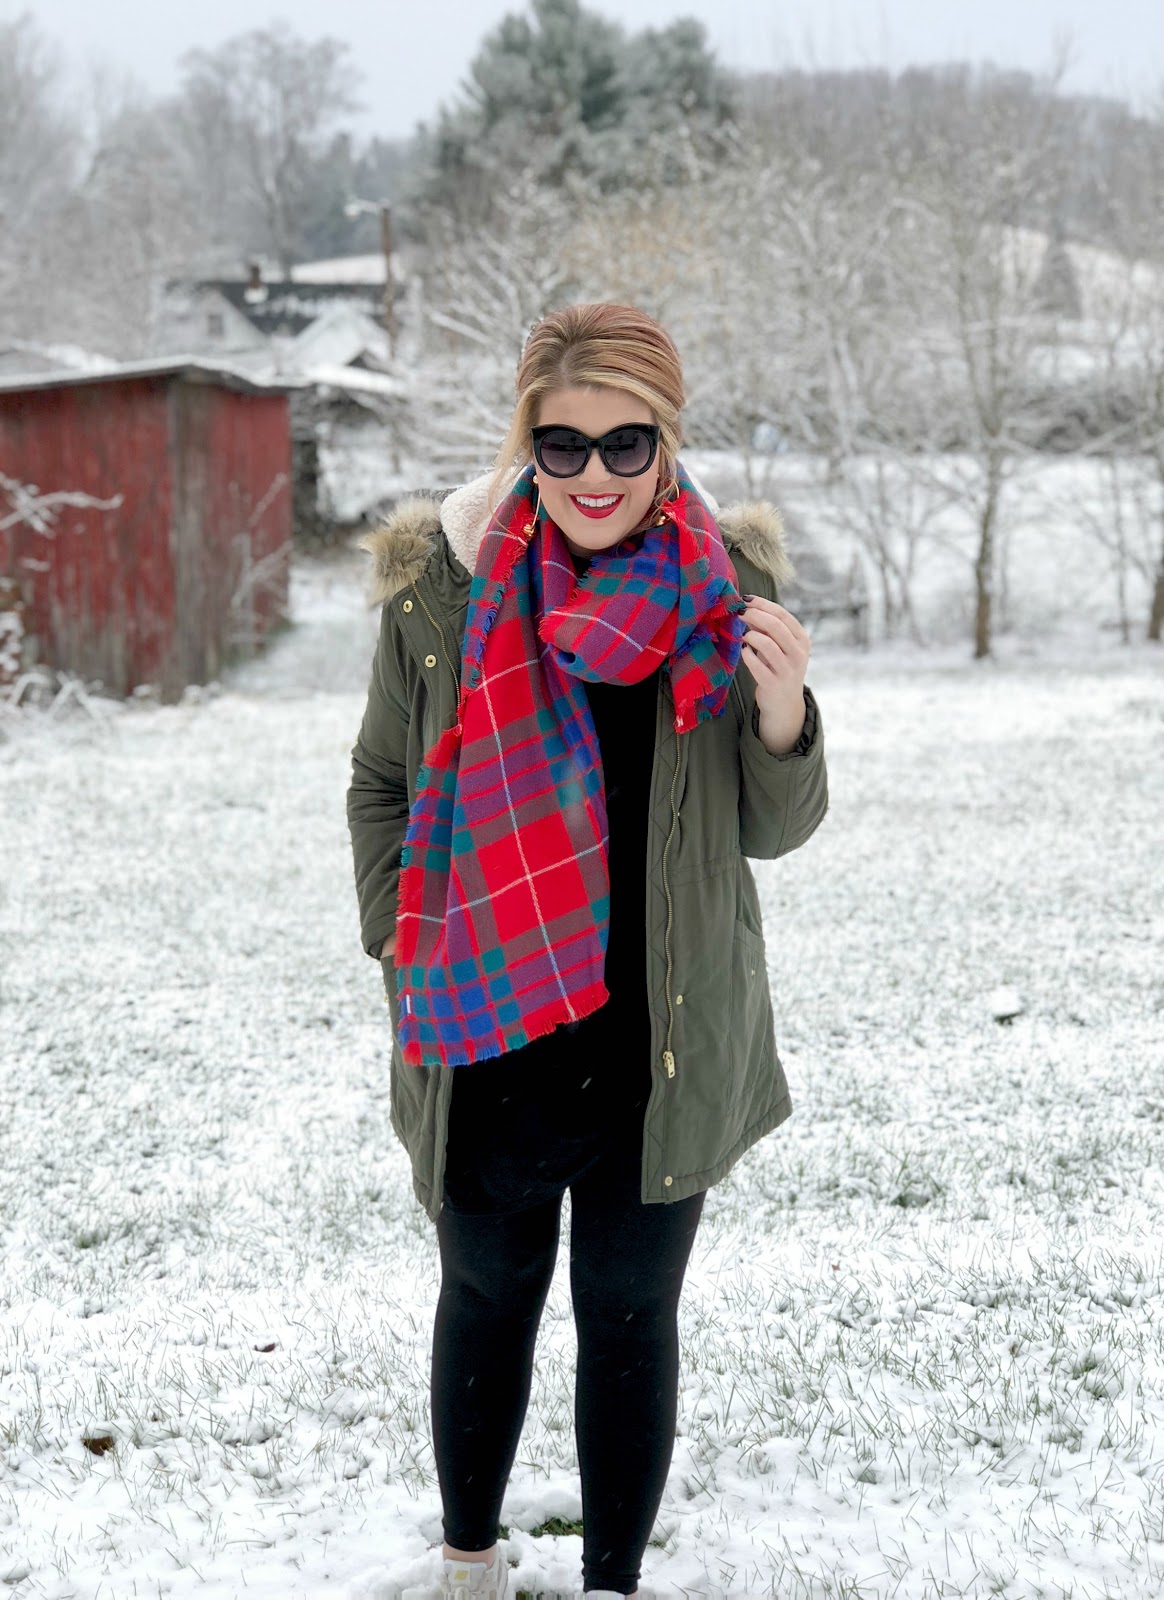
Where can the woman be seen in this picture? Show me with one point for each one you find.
(559, 774)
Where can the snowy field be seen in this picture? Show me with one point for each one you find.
(923, 1328)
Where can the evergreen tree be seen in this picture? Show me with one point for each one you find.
(568, 95)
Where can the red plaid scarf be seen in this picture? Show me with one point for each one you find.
(504, 894)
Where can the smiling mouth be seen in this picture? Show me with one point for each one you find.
(597, 505)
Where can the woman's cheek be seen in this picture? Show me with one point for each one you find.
(641, 501)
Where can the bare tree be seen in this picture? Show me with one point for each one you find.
(263, 105)
(1122, 517)
(712, 263)
(1147, 364)
(1149, 389)
(1119, 349)
(846, 248)
(39, 149)
(134, 218)
(1127, 329)
(980, 193)
(484, 288)
(92, 218)
(802, 337)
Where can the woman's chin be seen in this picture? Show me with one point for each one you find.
(594, 536)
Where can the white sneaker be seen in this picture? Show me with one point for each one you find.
(473, 1580)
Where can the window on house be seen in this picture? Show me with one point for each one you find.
(215, 324)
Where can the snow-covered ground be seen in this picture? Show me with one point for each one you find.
(923, 1328)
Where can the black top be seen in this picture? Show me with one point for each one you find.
(624, 719)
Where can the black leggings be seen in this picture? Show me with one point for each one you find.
(627, 1262)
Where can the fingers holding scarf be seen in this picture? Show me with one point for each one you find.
(776, 649)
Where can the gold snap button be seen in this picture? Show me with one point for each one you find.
(668, 1182)
(430, 661)
(407, 606)
(678, 999)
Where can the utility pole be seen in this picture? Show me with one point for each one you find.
(389, 281)
(355, 208)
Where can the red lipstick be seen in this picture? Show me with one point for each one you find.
(597, 512)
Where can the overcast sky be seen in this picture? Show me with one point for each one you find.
(413, 53)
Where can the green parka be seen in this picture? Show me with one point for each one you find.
(717, 796)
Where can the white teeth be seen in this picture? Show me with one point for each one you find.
(595, 500)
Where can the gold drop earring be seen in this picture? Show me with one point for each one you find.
(665, 494)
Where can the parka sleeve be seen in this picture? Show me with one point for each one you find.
(783, 799)
(378, 795)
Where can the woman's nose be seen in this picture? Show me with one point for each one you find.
(595, 469)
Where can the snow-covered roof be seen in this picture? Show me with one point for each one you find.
(343, 334)
(341, 269)
(25, 356)
(357, 380)
(285, 307)
(193, 368)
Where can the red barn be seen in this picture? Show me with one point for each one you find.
(145, 520)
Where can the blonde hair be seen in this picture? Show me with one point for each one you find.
(599, 346)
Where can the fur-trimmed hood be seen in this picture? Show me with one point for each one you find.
(401, 546)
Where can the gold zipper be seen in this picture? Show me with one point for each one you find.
(441, 636)
(668, 1055)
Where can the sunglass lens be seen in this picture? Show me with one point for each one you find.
(628, 451)
(563, 453)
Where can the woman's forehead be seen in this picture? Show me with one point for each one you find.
(593, 411)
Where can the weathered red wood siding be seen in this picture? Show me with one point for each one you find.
(162, 589)
(233, 522)
(98, 587)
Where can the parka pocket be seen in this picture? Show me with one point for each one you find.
(405, 1084)
(753, 1033)
(388, 971)
(751, 949)
(411, 1092)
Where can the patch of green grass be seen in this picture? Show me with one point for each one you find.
(558, 1526)
(90, 1238)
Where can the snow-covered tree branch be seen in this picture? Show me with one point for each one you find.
(29, 508)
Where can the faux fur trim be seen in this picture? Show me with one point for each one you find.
(755, 530)
(401, 546)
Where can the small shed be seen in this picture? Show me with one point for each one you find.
(145, 519)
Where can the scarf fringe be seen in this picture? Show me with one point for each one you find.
(494, 1049)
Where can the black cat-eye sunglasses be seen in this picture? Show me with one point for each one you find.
(627, 451)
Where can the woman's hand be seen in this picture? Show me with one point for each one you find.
(776, 649)
(388, 948)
